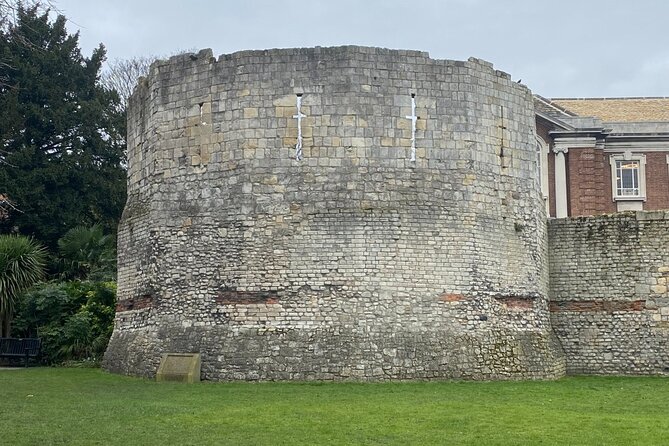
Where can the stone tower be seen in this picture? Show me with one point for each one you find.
(333, 213)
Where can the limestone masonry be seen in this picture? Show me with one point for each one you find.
(608, 288)
(366, 214)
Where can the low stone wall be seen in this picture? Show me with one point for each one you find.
(344, 355)
(608, 290)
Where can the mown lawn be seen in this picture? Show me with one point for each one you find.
(41, 406)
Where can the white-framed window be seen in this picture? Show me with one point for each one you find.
(628, 177)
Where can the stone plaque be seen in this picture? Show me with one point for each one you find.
(181, 367)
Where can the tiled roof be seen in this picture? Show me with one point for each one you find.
(549, 108)
(619, 109)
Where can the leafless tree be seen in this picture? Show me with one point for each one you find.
(9, 9)
(122, 75)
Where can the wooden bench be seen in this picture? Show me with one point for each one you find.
(25, 348)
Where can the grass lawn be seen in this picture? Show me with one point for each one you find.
(42, 406)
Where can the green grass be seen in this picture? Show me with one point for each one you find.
(44, 406)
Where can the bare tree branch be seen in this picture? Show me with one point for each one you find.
(9, 9)
(122, 75)
(9, 15)
(6, 206)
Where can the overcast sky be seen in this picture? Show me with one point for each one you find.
(564, 48)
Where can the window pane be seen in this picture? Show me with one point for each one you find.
(627, 178)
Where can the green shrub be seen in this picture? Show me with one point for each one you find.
(74, 319)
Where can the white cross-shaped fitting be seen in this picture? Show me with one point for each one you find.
(413, 118)
(299, 116)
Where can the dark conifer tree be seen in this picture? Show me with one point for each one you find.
(62, 135)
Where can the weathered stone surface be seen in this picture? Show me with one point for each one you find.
(609, 305)
(354, 262)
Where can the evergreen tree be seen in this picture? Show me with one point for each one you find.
(61, 133)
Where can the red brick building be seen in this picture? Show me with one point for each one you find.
(603, 155)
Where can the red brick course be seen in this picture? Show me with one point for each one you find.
(449, 297)
(596, 306)
(246, 297)
(135, 303)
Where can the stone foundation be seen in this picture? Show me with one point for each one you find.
(330, 354)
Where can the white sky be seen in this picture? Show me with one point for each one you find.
(560, 48)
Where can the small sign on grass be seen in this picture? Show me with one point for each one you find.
(181, 367)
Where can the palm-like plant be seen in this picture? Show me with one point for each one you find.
(22, 263)
(88, 253)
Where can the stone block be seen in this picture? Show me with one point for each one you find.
(285, 101)
(250, 112)
(421, 123)
(181, 367)
(349, 121)
(387, 142)
(658, 289)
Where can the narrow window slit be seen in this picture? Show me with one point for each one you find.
(502, 127)
(299, 116)
(201, 105)
(413, 118)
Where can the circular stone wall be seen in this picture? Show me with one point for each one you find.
(355, 261)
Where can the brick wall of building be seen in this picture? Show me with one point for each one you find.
(589, 182)
(657, 181)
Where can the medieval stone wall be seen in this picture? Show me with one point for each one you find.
(354, 262)
(608, 287)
